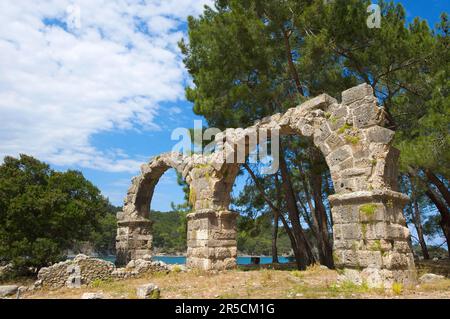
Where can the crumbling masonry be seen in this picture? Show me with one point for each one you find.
(371, 240)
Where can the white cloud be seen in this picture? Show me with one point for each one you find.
(60, 85)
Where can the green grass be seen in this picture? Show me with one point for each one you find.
(348, 287)
(368, 209)
(98, 283)
(344, 127)
(176, 269)
(336, 258)
(297, 273)
(364, 230)
(376, 246)
(343, 289)
(352, 139)
(397, 288)
(333, 120)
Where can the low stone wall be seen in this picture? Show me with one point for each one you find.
(82, 270)
(79, 271)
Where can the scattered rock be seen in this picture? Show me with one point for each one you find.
(435, 259)
(131, 264)
(147, 257)
(93, 295)
(148, 291)
(136, 268)
(6, 271)
(8, 290)
(23, 289)
(427, 278)
(20, 291)
(37, 285)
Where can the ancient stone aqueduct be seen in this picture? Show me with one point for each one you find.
(371, 240)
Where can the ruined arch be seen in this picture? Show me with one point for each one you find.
(371, 240)
(134, 236)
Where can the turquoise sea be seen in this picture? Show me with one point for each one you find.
(241, 260)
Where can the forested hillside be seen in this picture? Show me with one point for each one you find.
(254, 235)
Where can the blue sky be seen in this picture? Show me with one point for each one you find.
(98, 86)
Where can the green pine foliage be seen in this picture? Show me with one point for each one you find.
(169, 231)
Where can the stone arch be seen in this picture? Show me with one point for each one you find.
(140, 193)
(134, 236)
(371, 240)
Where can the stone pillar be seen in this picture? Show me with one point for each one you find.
(211, 239)
(133, 240)
(371, 240)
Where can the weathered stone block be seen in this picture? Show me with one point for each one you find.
(336, 122)
(334, 141)
(371, 259)
(378, 134)
(370, 213)
(374, 230)
(347, 231)
(395, 260)
(395, 231)
(366, 115)
(344, 214)
(8, 290)
(349, 258)
(338, 156)
(222, 253)
(345, 185)
(352, 172)
(356, 93)
(402, 246)
(340, 112)
(321, 133)
(348, 163)
(319, 102)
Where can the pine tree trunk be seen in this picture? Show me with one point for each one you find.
(439, 185)
(274, 238)
(297, 254)
(445, 215)
(276, 219)
(322, 223)
(419, 229)
(289, 232)
(303, 246)
(418, 220)
(445, 225)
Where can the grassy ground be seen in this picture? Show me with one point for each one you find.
(315, 282)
